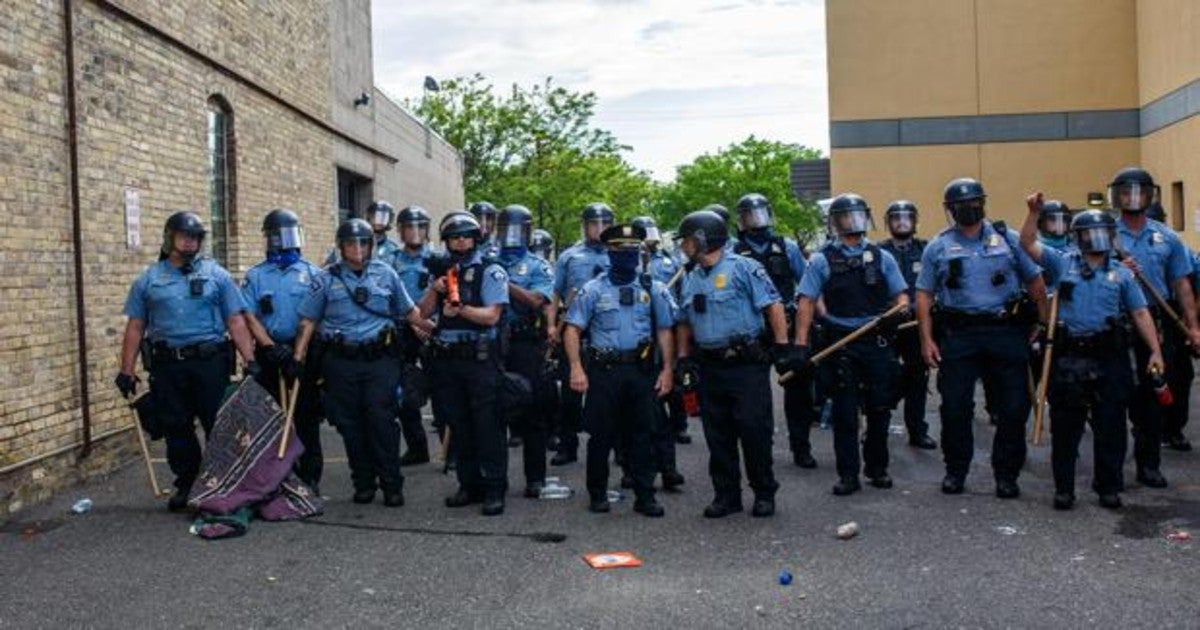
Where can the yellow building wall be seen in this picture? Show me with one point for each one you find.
(1063, 170)
(1056, 56)
(1171, 155)
(1168, 46)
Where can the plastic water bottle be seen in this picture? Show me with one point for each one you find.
(82, 506)
(555, 492)
(615, 496)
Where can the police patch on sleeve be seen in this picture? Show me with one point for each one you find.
(499, 275)
(315, 286)
(761, 272)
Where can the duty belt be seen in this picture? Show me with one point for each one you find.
(612, 356)
(161, 352)
(737, 353)
(963, 319)
(1101, 343)
(366, 351)
(475, 350)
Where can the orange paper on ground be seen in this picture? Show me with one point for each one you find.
(612, 560)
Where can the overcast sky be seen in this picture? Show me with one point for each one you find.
(675, 78)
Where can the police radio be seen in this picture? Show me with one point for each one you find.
(196, 286)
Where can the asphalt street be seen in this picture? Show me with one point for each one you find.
(922, 559)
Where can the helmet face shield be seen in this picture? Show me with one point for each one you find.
(414, 233)
(855, 221)
(652, 235)
(755, 218)
(593, 227)
(902, 222)
(1054, 225)
(1131, 197)
(380, 219)
(291, 237)
(513, 235)
(1094, 240)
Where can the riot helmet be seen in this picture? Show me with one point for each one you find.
(485, 213)
(413, 223)
(541, 243)
(183, 222)
(355, 233)
(849, 215)
(1054, 219)
(1095, 231)
(901, 216)
(595, 217)
(514, 227)
(281, 228)
(1132, 190)
(964, 201)
(380, 215)
(653, 238)
(754, 213)
(705, 229)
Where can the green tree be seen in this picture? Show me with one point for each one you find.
(752, 165)
(537, 147)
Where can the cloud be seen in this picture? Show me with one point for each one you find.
(713, 70)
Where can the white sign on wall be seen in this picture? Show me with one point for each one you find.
(133, 219)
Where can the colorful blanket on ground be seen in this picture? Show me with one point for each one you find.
(242, 475)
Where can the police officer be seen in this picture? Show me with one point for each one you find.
(721, 327)
(723, 212)
(906, 248)
(411, 263)
(541, 244)
(670, 424)
(485, 213)
(380, 215)
(974, 271)
(1156, 253)
(465, 363)
(859, 281)
(1054, 225)
(273, 290)
(530, 286)
(353, 308)
(626, 320)
(1091, 378)
(785, 266)
(183, 307)
(575, 266)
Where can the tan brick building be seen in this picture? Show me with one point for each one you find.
(1022, 94)
(225, 107)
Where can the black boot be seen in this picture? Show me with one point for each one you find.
(493, 504)
(393, 498)
(412, 457)
(649, 507)
(363, 497)
(463, 498)
(847, 485)
(953, 484)
(671, 480)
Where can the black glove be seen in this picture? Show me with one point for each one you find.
(292, 368)
(279, 354)
(127, 384)
(687, 373)
(252, 369)
(783, 355)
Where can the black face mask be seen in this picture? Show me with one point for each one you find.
(967, 216)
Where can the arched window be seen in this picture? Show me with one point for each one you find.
(221, 167)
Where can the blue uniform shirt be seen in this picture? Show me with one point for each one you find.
(662, 266)
(385, 250)
(985, 260)
(284, 289)
(812, 285)
(735, 290)
(1158, 251)
(330, 302)
(162, 298)
(493, 290)
(1102, 295)
(613, 326)
(1195, 272)
(411, 268)
(531, 273)
(578, 264)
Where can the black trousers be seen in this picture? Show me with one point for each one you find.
(914, 381)
(527, 357)
(861, 376)
(187, 390)
(464, 396)
(360, 401)
(620, 410)
(735, 408)
(1001, 352)
(1180, 372)
(1095, 391)
(306, 419)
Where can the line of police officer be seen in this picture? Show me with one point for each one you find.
(385, 313)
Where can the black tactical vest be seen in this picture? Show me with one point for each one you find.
(856, 286)
(775, 260)
(470, 292)
(908, 258)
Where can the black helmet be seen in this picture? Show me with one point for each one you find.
(721, 211)
(356, 231)
(514, 227)
(623, 236)
(414, 216)
(598, 211)
(1054, 218)
(281, 227)
(849, 214)
(964, 200)
(460, 223)
(1132, 190)
(541, 243)
(901, 218)
(485, 213)
(1095, 231)
(754, 212)
(707, 227)
(184, 222)
(380, 213)
(650, 226)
